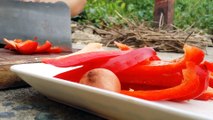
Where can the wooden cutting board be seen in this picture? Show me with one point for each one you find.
(8, 58)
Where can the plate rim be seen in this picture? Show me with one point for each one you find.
(18, 70)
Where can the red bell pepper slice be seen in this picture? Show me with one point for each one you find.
(126, 47)
(11, 45)
(97, 59)
(30, 46)
(81, 59)
(189, 83)
(203, 75)
(209, 65)
(73, 75)
(135, 87)
(122, 46)
(76, 74)
(207, 95)
(130, 59)
(43, 48)
(18, 40)
(211, 80)
(163, 80)
(55, 49)
(27, 47)
(156, 67)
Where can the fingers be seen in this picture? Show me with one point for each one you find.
(30, 0)
(76, 6)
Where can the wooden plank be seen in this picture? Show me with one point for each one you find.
(8, 58)
(164, 13)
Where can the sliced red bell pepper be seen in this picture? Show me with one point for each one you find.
(130, 59)
(11, 45)
(203, 75)
(76, 74)
(81, 59)
(73, 75)
(18, 40)
(43, 48)
(211, 80)
(156, 67)
(55, 49)
(207, 95)
(27, 47)
(122, 46)
(189, 83)
(209, 65)
(135, 87)
(163, 80)
(93, 60)
(126, 47)
(154, 57)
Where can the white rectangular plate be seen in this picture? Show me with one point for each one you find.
(104, 103)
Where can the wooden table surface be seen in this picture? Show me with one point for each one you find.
(9, 58)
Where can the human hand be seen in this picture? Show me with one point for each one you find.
(76, 6)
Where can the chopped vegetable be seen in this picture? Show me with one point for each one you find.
(185, 89)
(81, 59)
(202, 86)
(211, 80)
(30, 46)
(167, 67)
(55, 49)
(122, 46)
(209, 65)
(130, 59)
(27, 47)
(76, 74)
(207, 95)
(143, 74)
(44, 48)
(158, 80)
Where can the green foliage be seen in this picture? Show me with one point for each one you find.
(102, 12)
(195, 13)
(143, 9)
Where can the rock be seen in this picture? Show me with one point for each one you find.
(7, 114)
(29, 104)
(83, 37)
(7, 103)
(88, 30)
(23, 107)
(40, 106)
(45, 116)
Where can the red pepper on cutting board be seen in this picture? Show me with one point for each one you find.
(30, 46)
(27, 47)
(43, 48)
